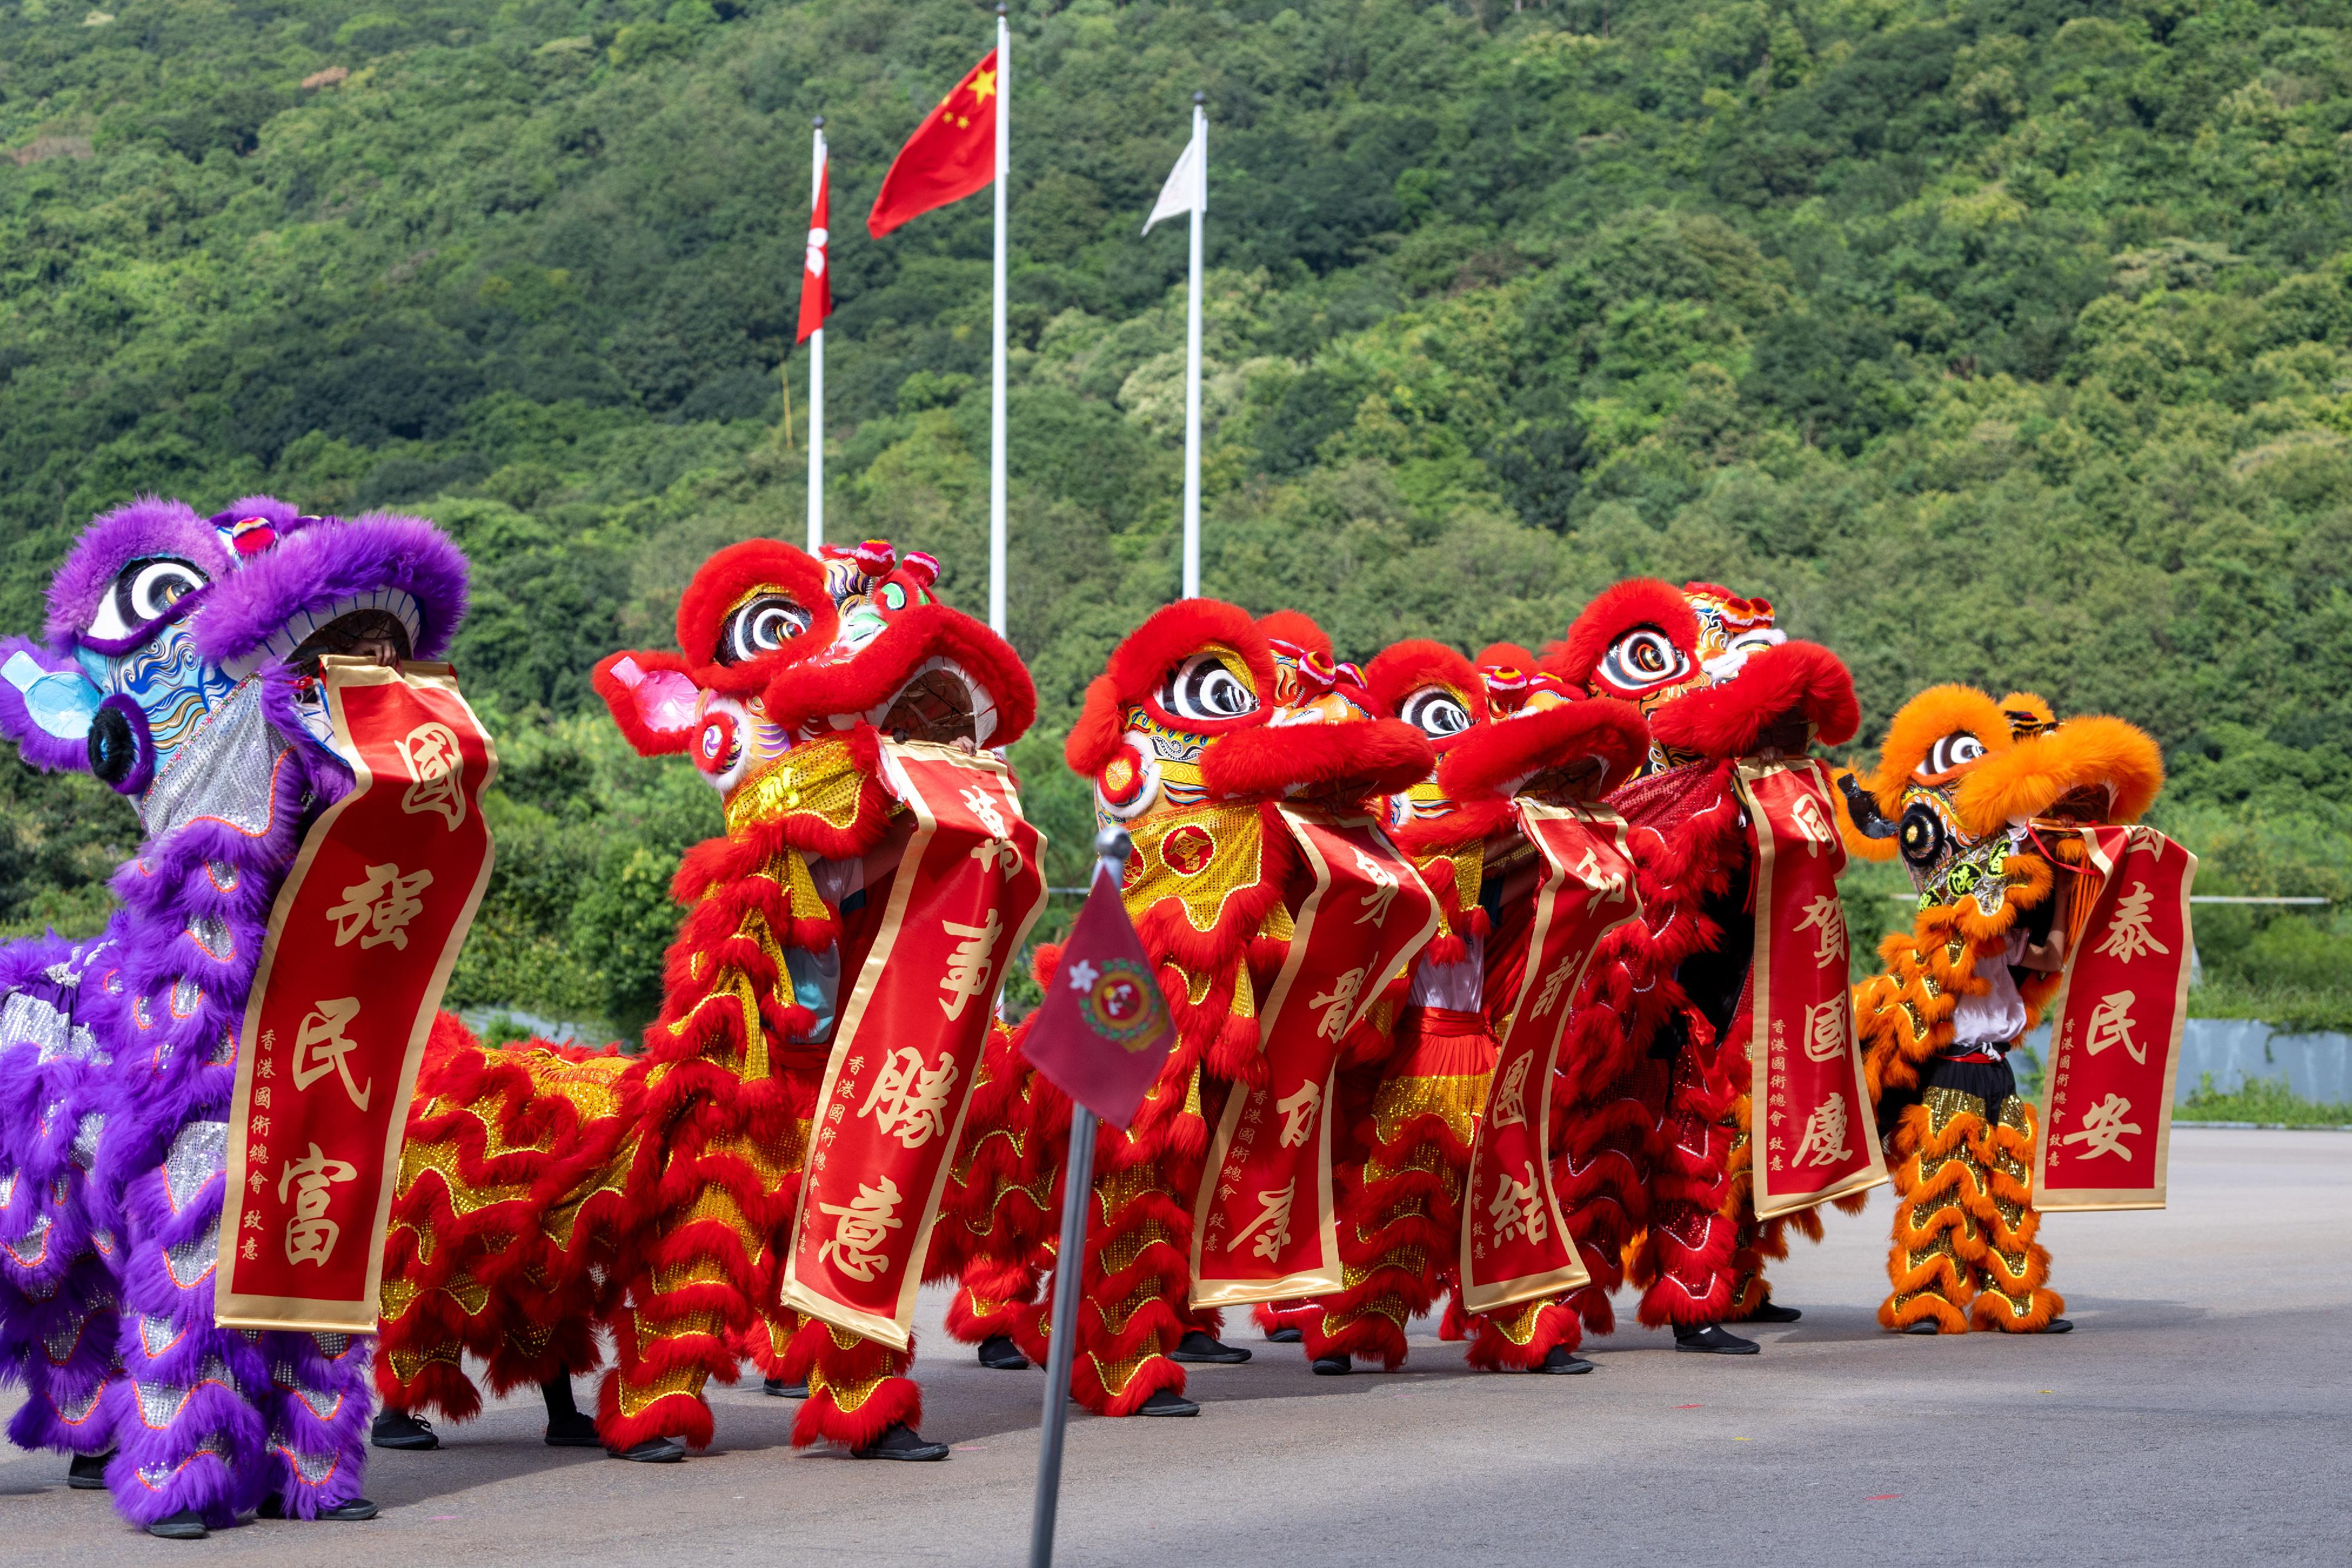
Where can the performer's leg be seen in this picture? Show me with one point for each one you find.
(195, 1442)
(1687, 1257)
(1535, 1336)
(1137, 1274)
(2014, 1269)
(1937, 1235)
(65, 1346)
(318, 1414)
(858, 1394)
(1397, 1223)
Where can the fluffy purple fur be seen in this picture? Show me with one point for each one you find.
(149, 526)
(110, 1262)
(44, 751)
(321, 562)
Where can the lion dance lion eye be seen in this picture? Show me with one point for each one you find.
(760, 625)
(1202, 688)
(1643, 659)
(146, 591)
(1957, 750)
(1436, 713)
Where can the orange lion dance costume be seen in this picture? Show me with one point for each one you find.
(1974, 794)
(1239, 759)
(763, 1179)
(1503, 734)
(1658, 1162)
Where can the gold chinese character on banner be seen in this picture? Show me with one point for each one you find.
(997, 852)
(1298, 1114)
(1338, 1003)
(1824, 1140)
(321, 1047)
(310, 1236)
(1608, 886)
(968, 966)
(1517, 1210)
(1510, 1106)
(2103, 1128)
(1825, 1028)
(436, 772)
(1375, 904)
(1826, 916)
(1555, 981)
(1271, 1229)
(2111, 1024)
(2128, 935)
(908, 1100)
(862, 1227)
(1812, 823)
(378, 910)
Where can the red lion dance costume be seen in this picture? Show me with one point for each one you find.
(761, 1181)
(1237, 758)
(1504, 734)
(1657, 1168)
(1977, 797)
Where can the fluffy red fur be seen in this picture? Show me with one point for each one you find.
(1137, 664)
(1375, 757)
(1403, 668)
(1298, 629)
(809, 689)
(1795, 680)
(621, 699)
(1615, 610)
(724, 579)
(1493, 760)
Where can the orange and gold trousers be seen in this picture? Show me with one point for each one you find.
(1965, 1252)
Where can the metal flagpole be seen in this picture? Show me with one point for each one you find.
(816, 364)
(1193, 362)
(1111, 846)
(996, 368)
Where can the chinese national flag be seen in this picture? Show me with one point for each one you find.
(816, 283)
(1102, 1033)
(951, 154)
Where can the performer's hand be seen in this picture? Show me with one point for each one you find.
(2050, 956)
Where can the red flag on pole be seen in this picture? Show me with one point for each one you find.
(951, 154)
(1103, 1033)
(816, 283)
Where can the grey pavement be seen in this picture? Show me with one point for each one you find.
(2199, 1413)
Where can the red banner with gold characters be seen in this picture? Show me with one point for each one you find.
(891, 1108)
(2114, 1050)
(1808, 1104)
(1515, 1241)
(1264, 1227)
(360, 943)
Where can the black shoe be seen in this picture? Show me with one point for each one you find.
(777, 1388)
(572, 1431)
(1198, 1348)
(274, 1507)
(1925, 1325)
(1564, 1362)
(88, 1471)
(186, 1525)
(1713, 1340)
(900, 1441)
(1336, 1365)
(1167, 1402)
(399, 1429)
(1766, 1313)
(652, 1451)
(2057, 1325)
(999, 1354)
(1285, 1335)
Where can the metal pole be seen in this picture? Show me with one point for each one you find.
(1111, 849)
(816, 364)
(1192, 369)
(996, 367)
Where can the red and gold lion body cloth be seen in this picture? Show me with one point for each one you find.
(762, 1181)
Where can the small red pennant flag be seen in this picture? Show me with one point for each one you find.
(1103, 1033)
(817, 278)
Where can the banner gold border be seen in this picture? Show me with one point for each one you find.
(231, 1309)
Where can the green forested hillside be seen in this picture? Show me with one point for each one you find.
(2002, 341)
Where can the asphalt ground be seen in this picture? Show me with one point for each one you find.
(2199, 1413)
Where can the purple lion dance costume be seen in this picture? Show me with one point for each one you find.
(178, 668)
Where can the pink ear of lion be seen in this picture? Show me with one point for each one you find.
(653, 699)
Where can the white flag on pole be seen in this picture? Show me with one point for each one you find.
(1187, 190)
